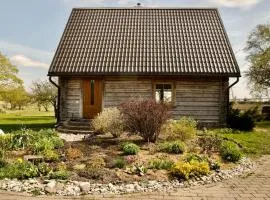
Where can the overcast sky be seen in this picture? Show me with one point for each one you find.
(31, 29)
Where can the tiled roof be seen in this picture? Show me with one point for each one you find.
(144, 41)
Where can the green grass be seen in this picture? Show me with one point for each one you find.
(29, 118)
(256, 142)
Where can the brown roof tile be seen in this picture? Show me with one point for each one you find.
(144, 41)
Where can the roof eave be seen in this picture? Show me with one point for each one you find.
(145, 74)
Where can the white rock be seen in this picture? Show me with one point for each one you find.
(51, 184)
(84, 186)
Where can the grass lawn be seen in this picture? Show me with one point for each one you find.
(29, 118)
(256, 142)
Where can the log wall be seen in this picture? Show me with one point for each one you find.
(205, 100)
(118, 91)
(71, 98)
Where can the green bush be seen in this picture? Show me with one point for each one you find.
(185, 170)
(57, 142)
(42, 144)
(61, 175)
(182, 129)
(130, 149)
(21, 139)
(196, 157)
(50, 155)
(6, 141)
(159, 163)
(244, 121)
(119, 163)
(44, 168)
(19, 169)
(110, 120)
(229, 151)
(175, 147)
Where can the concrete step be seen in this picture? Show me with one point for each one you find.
(74, 131)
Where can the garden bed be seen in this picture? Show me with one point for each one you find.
(136, 149)
(39, 186)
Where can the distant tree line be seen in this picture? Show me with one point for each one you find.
(13, 94)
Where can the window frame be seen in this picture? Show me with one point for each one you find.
(172, 83)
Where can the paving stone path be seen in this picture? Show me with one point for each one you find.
(253, 186)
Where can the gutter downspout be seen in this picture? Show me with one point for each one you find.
(237, 80)
(228, 100)
(58, 100)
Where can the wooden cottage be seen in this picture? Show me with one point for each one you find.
(108, 55)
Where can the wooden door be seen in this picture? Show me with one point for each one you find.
(92, 98)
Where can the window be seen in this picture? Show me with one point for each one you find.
(163, 93)
(92, 92)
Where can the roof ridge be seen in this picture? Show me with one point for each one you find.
(145, 8)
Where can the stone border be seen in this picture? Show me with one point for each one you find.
(75, 188)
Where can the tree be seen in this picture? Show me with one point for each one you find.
(16, 97)
(8, 74)
(258, 49)
(45, 94)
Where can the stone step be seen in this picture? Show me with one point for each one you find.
(74, 131)
(80, 127)
(78, 123)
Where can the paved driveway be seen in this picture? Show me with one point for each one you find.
(255, 186)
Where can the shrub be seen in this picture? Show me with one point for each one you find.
(50, 155)
(210, 141)
(73, 153)
(42, 144)
(139, 169)
(96, 163)
(61, 175)
(90, 173)
(130, 159)
(21, 139)
(110, 120)
(145, 117)
(60, 166)
(241, 120)
(182, 129)
(229, 151)
(255, 113)
(20, 170)
(214, 165)
(57, 142)
(176, 147)
(196, 157)
(6, 141)
(119, 163)
(130, 149)
(185, 170)
(44, 168)
(159, 163)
